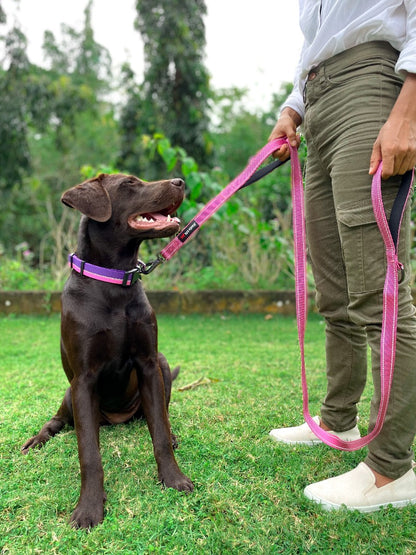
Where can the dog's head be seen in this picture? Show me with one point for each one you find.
(138, 208)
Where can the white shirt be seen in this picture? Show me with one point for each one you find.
(332, 26)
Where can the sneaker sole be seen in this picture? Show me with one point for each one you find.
(328, 506)
(294, 442)
(309, 443)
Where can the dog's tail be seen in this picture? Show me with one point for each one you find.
(175, 372)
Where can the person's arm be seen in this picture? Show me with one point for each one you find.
(396, 142)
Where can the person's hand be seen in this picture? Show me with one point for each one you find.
(396, 141)
(396, 147)
(286, 126)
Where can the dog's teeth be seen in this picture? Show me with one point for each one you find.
(144, 219)
(148, 220)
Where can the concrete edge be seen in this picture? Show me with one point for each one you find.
(166, 302)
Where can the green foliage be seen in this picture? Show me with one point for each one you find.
(248, 497)
(16, 275)
(239, 132)
(173, 98)
(3, 17)
(52, 122)
(14, 155)
(79, 55)
(37, 101)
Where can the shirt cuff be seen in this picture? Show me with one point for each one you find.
(407, 59)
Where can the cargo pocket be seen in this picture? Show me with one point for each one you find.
(362, 246)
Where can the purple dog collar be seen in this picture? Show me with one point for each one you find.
(118, 277)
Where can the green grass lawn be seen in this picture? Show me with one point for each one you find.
(248, 489)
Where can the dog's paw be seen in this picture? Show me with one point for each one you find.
(87, 516)
(185, 484)
(179, 482)
(33, 442)
(89, 511)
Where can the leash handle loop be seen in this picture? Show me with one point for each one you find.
(262, 172)
(390, 233)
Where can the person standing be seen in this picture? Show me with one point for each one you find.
(355, 96)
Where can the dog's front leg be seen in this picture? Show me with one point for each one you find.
(152, 393)
(90, 508)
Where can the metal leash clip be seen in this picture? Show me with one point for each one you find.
(147, 267)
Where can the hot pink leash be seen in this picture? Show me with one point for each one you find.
(390, 303)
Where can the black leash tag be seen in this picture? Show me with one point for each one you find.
(187, 231)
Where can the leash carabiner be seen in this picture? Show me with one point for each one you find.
(147, 267)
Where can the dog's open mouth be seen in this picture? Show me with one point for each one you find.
(156, 221)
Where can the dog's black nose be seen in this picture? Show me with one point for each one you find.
(178, 182)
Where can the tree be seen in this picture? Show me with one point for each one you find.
(3, 17)
(14, 154)
(134, 122)
(173, 99)
(52, 121)
(79, 76)
(80, 71)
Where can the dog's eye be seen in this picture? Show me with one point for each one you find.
(132, 181)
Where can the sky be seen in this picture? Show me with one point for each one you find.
(253, 45)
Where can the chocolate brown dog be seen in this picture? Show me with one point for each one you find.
(109, 343)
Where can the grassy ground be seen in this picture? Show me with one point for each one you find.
(248, 495)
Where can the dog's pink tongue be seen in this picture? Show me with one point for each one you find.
(154, 216)
(159, 217)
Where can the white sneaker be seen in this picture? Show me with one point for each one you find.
(303, 435)
(357, 490)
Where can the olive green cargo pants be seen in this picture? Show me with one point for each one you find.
(348, 98)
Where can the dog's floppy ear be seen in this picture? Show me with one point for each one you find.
(90, 198)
